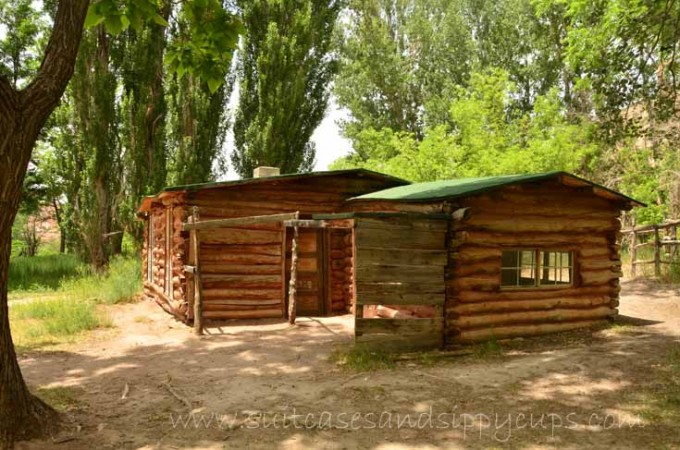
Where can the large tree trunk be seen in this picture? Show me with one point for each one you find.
(22, 116)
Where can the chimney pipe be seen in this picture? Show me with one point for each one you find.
(263, 172)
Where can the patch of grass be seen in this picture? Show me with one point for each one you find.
(361, 358)
(60, 398)
(44, 322)
(121, 283)
(487, 349)
(43, 272)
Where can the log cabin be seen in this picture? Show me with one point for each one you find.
(419, 265)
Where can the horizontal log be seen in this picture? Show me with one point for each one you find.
(251, 220)
(241, 282)
(479, 282)
(239, 237)
(553, 315)
(251, 294)
(478, 269)
(399, 326)
(554, 240)
(241, 269)
(217, 251)
(469, 296)
(547, 225)
(473, 254)
(236, 258)
(495, 306)
(386, 206)
(364, 287)
(209, 306)
(369, 298)
(245, 314)
(522, 330)
(599, 264)
(596, 277)
(242, 301)
(403, 223)
(385, 273)
(596, 252)
(425, 240)
(394, 256)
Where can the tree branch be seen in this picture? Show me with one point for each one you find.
(42, 95)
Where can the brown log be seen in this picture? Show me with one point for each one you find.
(554, 240)
(478, 269)
(236, 269)
(254, 294)
(467, 296)
(522, 330)
(232, 236)
(598, 277)
(241, 282)
(241, 221)
(403, 223)
(424, 240)
(553, 315)
(494, 306)
(545, 225)
(245, 314)
(587, 264)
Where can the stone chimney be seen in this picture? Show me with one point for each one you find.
(263, 171)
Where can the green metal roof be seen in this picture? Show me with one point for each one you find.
(434, 190)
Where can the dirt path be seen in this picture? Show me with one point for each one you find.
(272, 386)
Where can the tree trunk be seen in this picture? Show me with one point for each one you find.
(22, 116)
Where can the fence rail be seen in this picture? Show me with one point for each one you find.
(642, 233)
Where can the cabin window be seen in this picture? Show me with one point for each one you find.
(536, 268)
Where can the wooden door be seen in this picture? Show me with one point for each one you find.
(311, 296)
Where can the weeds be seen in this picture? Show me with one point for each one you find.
(120, 284)
(45, 322)
(487, 349)
(39, 273)
(361, 358)
(60, 398)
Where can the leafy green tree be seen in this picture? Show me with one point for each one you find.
(286, 66)
(23, 114)
(486, 138)
(20, 45)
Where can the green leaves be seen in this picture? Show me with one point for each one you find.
(118, 15)
(206, 42)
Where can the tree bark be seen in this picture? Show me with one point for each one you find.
(22, 116)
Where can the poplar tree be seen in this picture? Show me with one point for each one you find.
(286, 67)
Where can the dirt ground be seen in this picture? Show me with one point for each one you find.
(272, 386)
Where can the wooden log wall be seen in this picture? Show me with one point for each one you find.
(241, 271)
(244, 273)
(544, 216)
(341, 271)
(400, 266)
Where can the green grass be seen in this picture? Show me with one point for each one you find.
(60, 398)
(43, 272)
(120, 284)
(360, 358)
(53, 321)
(487, 349)
(42, 315)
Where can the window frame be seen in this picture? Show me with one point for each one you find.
(538, 267)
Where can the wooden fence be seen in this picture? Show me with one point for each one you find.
(400, 262)
(663, 238)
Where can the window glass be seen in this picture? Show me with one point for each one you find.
(535, 268)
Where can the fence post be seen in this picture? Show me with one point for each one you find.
(657, 252)
(633, 252)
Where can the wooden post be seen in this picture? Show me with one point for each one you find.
(198, 290)
(633, 252)
(292, 285)
(657, 252)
